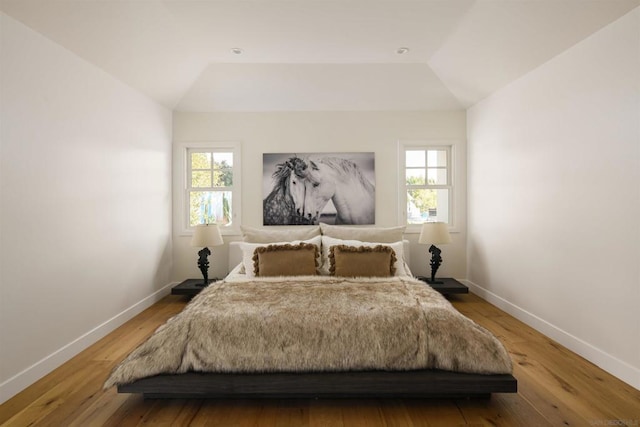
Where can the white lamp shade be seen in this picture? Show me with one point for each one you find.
(206, 235)
(434, 233)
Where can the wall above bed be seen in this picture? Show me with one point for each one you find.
(298, 132)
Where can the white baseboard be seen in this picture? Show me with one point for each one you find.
(33, 373)
(616, 367)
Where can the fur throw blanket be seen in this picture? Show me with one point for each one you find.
(316, 323)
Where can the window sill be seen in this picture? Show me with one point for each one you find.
(417, 228)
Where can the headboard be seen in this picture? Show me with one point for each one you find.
(235, 254)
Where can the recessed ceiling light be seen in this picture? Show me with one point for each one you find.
(402, 50)
(236, 50)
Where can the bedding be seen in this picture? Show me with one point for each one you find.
(315, 324)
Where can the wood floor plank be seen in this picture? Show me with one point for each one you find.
(56, 402)
(210, 413)
(268, 414)
(293, 412)
(100, 410)
(394, 413)
(504, 326)
(534, 390)
(116, 346)
(571, 384)
(508, 410)
(130, 412)
(434, 413)
(42, 386)
(325, 413)
(556, 387)
(171, 412)
(80, 397)
(237, 412)
(362, 413)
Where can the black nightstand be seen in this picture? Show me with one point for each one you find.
(449, 285)
(190, 287)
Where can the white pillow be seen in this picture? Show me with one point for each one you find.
(249, 248)
(327, 242)
(271, 235)
(363, 234)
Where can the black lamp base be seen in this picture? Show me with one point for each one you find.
(435, 262)
(203, 265)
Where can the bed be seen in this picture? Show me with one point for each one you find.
(275, 328)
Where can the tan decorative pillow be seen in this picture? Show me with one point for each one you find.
(398, 248)
(285, 260)
(362, 261)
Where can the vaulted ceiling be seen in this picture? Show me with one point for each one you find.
(310, 55)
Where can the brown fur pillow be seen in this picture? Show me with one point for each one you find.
(362, 261)
(285, 260)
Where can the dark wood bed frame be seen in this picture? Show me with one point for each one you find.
(384, 384)
(421, 384)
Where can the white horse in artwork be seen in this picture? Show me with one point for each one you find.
(342, 182)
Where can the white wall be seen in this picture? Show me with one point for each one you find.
(554, 198)
(301, 132)
(85, 204)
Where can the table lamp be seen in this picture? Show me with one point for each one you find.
(434, 233)
(206, 235)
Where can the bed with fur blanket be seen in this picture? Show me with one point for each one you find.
(317, 336)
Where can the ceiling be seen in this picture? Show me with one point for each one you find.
(317, 55)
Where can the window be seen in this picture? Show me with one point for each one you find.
(426, 186)
(212, 191)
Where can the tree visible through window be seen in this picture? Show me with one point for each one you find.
(210, 186)
(427, 184)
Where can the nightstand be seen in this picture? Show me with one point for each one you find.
(449, 285)
(190, 287)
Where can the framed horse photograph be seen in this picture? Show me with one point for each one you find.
(310, 188)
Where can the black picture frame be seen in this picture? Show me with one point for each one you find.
(309, 188)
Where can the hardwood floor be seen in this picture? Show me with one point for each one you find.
(556, 388)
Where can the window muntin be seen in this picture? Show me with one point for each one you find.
(426, 184)
(211, 176)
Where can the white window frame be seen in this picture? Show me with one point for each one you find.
(450, 147)
(236, 194)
